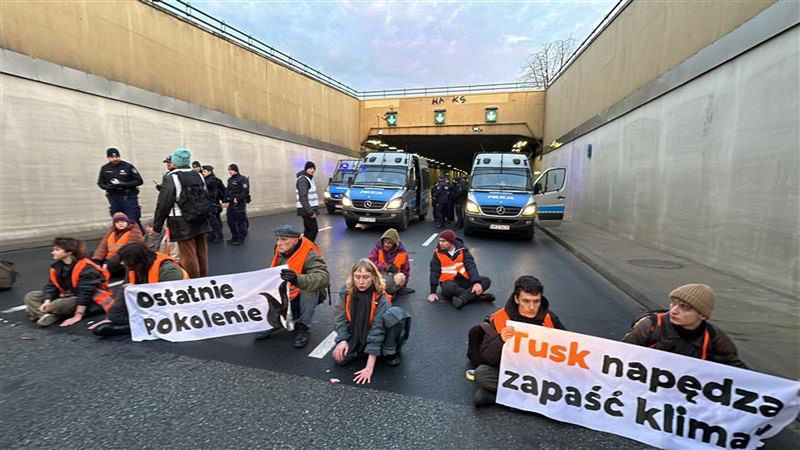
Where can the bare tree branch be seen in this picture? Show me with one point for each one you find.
(544, 65)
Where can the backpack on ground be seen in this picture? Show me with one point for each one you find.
(8, 274)
(192, 198)
(475, 339)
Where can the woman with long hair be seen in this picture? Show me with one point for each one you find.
(366, 323)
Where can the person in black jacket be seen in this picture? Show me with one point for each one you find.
(190, 234)
(120, 180)
(307, 200)
(67, 294)
(460, 201)
(216, 196)
(453, 267)
(236, 198)
(442, 198)
(526, 304)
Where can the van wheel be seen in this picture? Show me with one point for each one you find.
(331, 209)
(351, 224)
(403, 225)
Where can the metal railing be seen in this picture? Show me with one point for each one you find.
(218, 27)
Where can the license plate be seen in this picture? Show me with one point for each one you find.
(366, 219)
(337, 206)
(495, 226)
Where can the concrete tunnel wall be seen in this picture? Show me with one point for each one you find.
(708, 171)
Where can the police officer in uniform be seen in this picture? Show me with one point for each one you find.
(307, 200)
(236, 198)
(120, 180)
(216, 196)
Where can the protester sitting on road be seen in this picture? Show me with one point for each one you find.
(307, 276)
(159, 242)
(366, 323)
(391, 257)
(452, 265)
(144, 266)
(684, 328)
(76, 285)
(526, 304)
(123, 231)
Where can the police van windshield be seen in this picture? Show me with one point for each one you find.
(381, 176)
(342, 175)
(501, 179)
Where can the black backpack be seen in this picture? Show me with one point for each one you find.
(193, 199)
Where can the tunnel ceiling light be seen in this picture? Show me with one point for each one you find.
(384, 145)
(392, 148)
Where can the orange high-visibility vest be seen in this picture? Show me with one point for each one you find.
(102, 297)
(297, 261)
(375, 297)
(500, 317)
(399, 260)
(152, 274)
(114, 245)
(706, 336)
(451, 267)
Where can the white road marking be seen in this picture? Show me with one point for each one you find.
(326, 228)
(324, 347)
(430, 239)
(14, 309)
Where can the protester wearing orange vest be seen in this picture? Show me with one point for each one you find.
(122, 232)
(144, 266)
(366, 323)
(391, 257)
(526, 304)
(76, 285)
(685, 329)
(307, 276)
(453, 267)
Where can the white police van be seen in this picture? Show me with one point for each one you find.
(502, 197)
(390, 188)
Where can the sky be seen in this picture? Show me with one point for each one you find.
(373, 45)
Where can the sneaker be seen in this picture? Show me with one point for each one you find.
(237, 243)
(47, 320)
(260, 336)
(300, 336)
(112, 329)
(458, 302)
(393, 360)
(487, 298)
(470, 374)
(483, 397)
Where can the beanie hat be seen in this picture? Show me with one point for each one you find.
(112, 152)
(287, 231)
(449, 236)
(121, 217)
(181, 157)
(309, 165)
(699, 296)
(234, 168)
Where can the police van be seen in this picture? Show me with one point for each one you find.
(502, 197)
(390, 188)
(343, 176)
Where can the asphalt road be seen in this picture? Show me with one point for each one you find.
(64, 388)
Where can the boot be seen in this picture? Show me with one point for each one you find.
(483, 397)
(486, 298)
(112, 329)
(300, 335)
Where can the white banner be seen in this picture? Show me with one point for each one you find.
(656, 397)
(203, 308)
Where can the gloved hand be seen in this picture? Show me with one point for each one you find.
(391, 268)
(289, 275)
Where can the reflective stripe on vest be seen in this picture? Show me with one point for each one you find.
(114, 245)
(706, 337)
(297, 261)
(153, 273)
(313, 199)
(400, 259)
(500, 317)
(374, 305)
(451, 267)
(103, 295)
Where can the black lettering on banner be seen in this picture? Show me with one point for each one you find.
(509, 383)
(550, 392)
(613, 401)
(217, 319)
(144, 300)
(529, 386)
(205, 290)
(226, 291)
(637, 372)
(159, 297)
(164, 326)
(680, 420)
(196, 321)
(690, 387)
(656, 379)
(708, 431)
(149, 325)
(254, 314)
(772, 408)
(183, 297)
(229, 315)
(644, 415)
(593, 399)
(608, 361)
(573, 397)
(719, 393)
(740, 440)
(743, 403)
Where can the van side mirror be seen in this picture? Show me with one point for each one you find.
(537, 188)
(330, 180)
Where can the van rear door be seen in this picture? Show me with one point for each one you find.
(550, 195)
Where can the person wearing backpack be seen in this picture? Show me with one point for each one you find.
(526, 304)
(184, 205)
(684, 328)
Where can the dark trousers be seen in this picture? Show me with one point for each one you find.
(394, 337)
(462, 287)
(194, 256)
(450, 212)
(216, 224)
(118, 314)
(442, 213)
(310, 228)
(237, 222)
(460, 215)
(128, 204)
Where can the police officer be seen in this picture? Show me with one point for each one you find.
(236, 198)
(120, 180)
(197, 167)
(441, 195)
(216, 195)
(307, 200)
